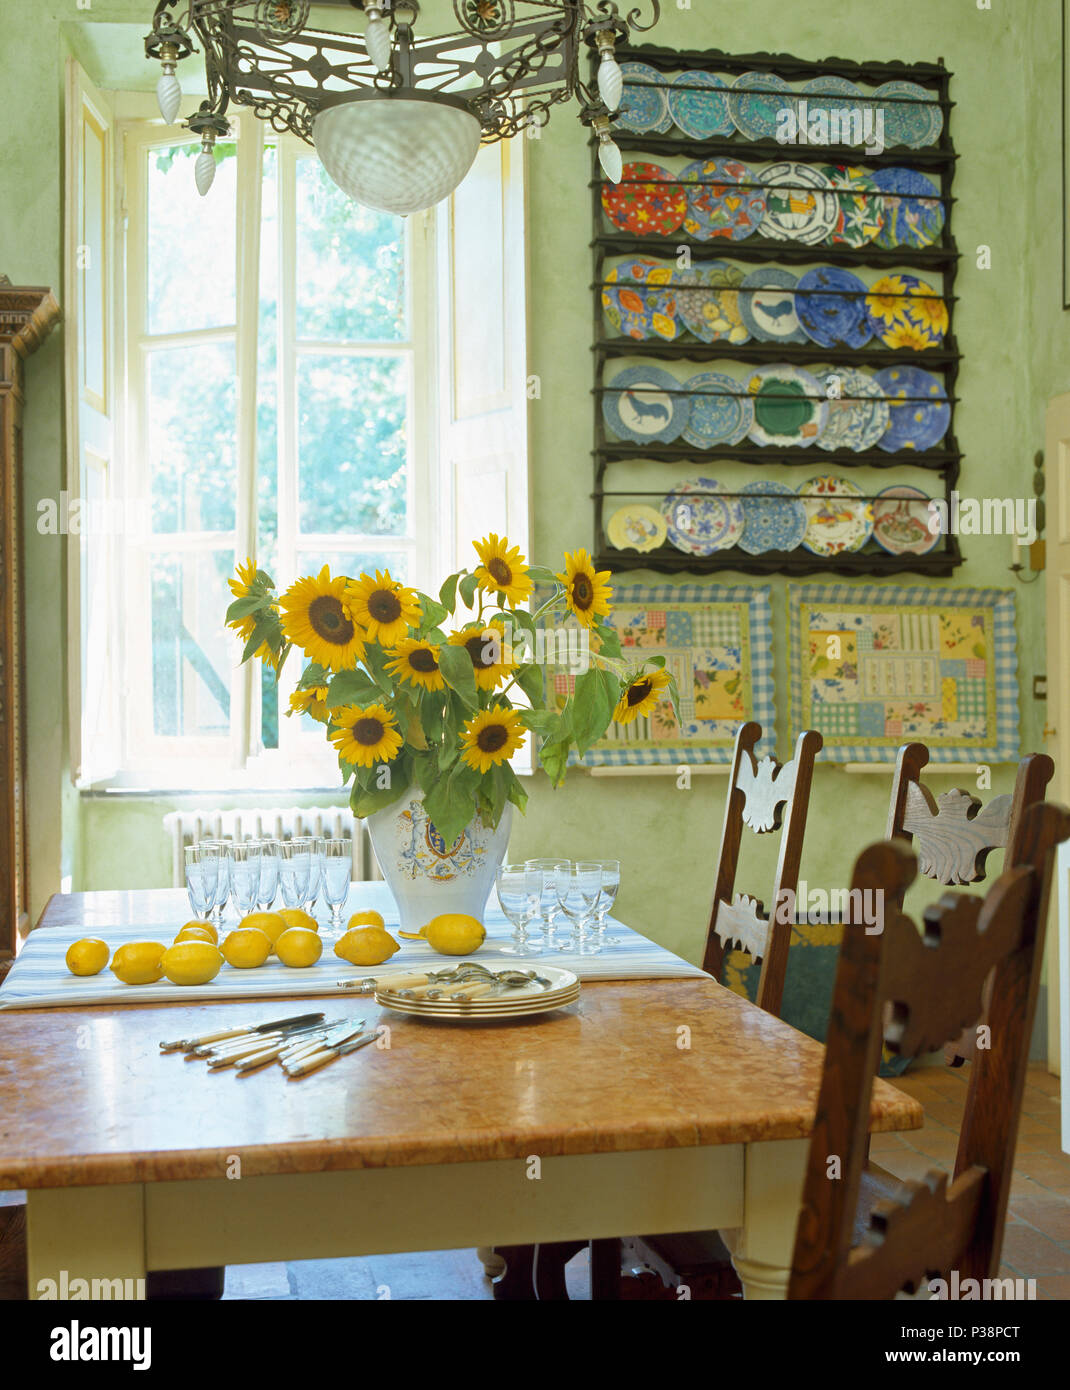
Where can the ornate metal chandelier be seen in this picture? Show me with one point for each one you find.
(396, 120)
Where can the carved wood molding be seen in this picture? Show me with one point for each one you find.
(953, 834)
(766, 790)
(742, 923)
(28, 314)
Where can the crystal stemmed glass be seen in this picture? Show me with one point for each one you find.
(334, 880)
(222, 892)
(295, 866)
(202, 876)
(610, 877)
(549, 914)
(268, 887)
(316, 886)
(245, 875)
(578, 887)
(520, 894)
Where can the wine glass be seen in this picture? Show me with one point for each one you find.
(222, 892)
(316, 887)
(202, 875)
(549, 913)
(578, 887)
(269, 875)
(335, 877)
(520, 894)
(295, 868)
(609, 870)
(245, 875)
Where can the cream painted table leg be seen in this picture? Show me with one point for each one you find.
(96, 1234)
(772, 1194)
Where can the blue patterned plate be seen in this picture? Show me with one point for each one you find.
(858, 412)
(721, 412)
(919, 411)
(861, 208)
(773, 518)
(719, 201)
(639, 301)
(644, 107)
(836, 93)
(708, 303)
(639, 405)
(831, 305)
(756, 102)
(698, 521)
(767, 306)
(702, 113)
(912, 116)
(789, 407)
(913, 212)
(905, 312)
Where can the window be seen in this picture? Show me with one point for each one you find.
(284, 394)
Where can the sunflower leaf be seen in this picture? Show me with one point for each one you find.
(658, 661)
(352, 688)
(458, 672)
(545, 722)
(553, 755)
(244, 607)
(499, 792)
(375, 665)
(262, 632)
(514, 790)
(448, 593)
(467, 587)
(314, 674)
(431, 614)
(365, 801)
(523, 619)
(592, 707)
(532, 682)
(451, 802)
(539, 574)
(425, 768)
(609, 641)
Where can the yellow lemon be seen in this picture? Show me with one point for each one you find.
(298, 946)
(88, 956)
(138, 962)
(452, 934)
(366, 919)
(272, 924)
(366, 946)
(213, 935)
(294, 917)
(192, 962)
(192, 933)
(246, 947)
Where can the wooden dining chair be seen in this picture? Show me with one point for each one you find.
(954, 835)
(863, 1234)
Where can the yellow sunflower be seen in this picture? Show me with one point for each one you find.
(312, 701)
(486, 646)
(931, 312)
(492, 736)
(317, 620)
(416, 661)
(906, 335)
(241, 588)
(640, 696)
(384, 607)
(887, 303)
(365, 736)
(586, 591)
(503, 571)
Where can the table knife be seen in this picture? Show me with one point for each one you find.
(320, 1059)
(181, 1044)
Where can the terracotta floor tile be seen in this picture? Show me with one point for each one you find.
(1049, 1214)
(1030, 1124)
(1043, 1168)
(936, 1143)
(1032, 1253)
(1054, 1286)
(910, 1167)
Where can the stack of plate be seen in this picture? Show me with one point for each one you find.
(535, 998)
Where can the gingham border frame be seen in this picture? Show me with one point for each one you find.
(1005, 655)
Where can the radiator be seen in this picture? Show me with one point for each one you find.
(280, 823)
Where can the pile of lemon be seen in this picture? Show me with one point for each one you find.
(292, 936)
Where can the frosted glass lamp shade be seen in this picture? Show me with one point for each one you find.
(397, 154)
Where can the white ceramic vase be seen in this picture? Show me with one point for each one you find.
(428, 877)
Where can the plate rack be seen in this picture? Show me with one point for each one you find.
(937, 161)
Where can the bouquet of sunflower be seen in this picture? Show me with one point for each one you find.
(412, 695)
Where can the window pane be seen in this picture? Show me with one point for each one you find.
(192, 651)
(352, 446)
(350, 265)
(191, 256)
(190, 419)
(352, 562)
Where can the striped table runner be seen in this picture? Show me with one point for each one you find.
(40, 979)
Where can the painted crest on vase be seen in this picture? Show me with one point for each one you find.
(424, 854)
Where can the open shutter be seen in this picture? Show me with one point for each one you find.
(483, 355)
(92, 510)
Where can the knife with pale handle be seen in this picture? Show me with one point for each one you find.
(186, 1044)
(303, 1065)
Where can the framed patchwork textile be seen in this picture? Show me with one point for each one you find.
(873, 667)
(717, 642)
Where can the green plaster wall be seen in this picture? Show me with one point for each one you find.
(1010, 325)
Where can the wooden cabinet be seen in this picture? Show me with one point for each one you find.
(26, 318)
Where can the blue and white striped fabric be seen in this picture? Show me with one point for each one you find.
(40, 979)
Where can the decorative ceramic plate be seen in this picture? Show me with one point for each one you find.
(913, 212)
(644, 107)
(698, 520)
(858, 411)
(721, 411)
(636, 527)
(756, 101)
(767, 306)
(901, 517)
(647, 201)
(912, 115)
(919, 413)
(639, 404)
(639, 301)
(799, 204)
(773, 518)
(905, 312)
(835, 523)
(723, 199)
(831, 305)
(708, 302)
(698, 103)
(861, 208)
(789, 406)
(839, 95)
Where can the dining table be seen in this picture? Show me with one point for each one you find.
(648, 1105)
